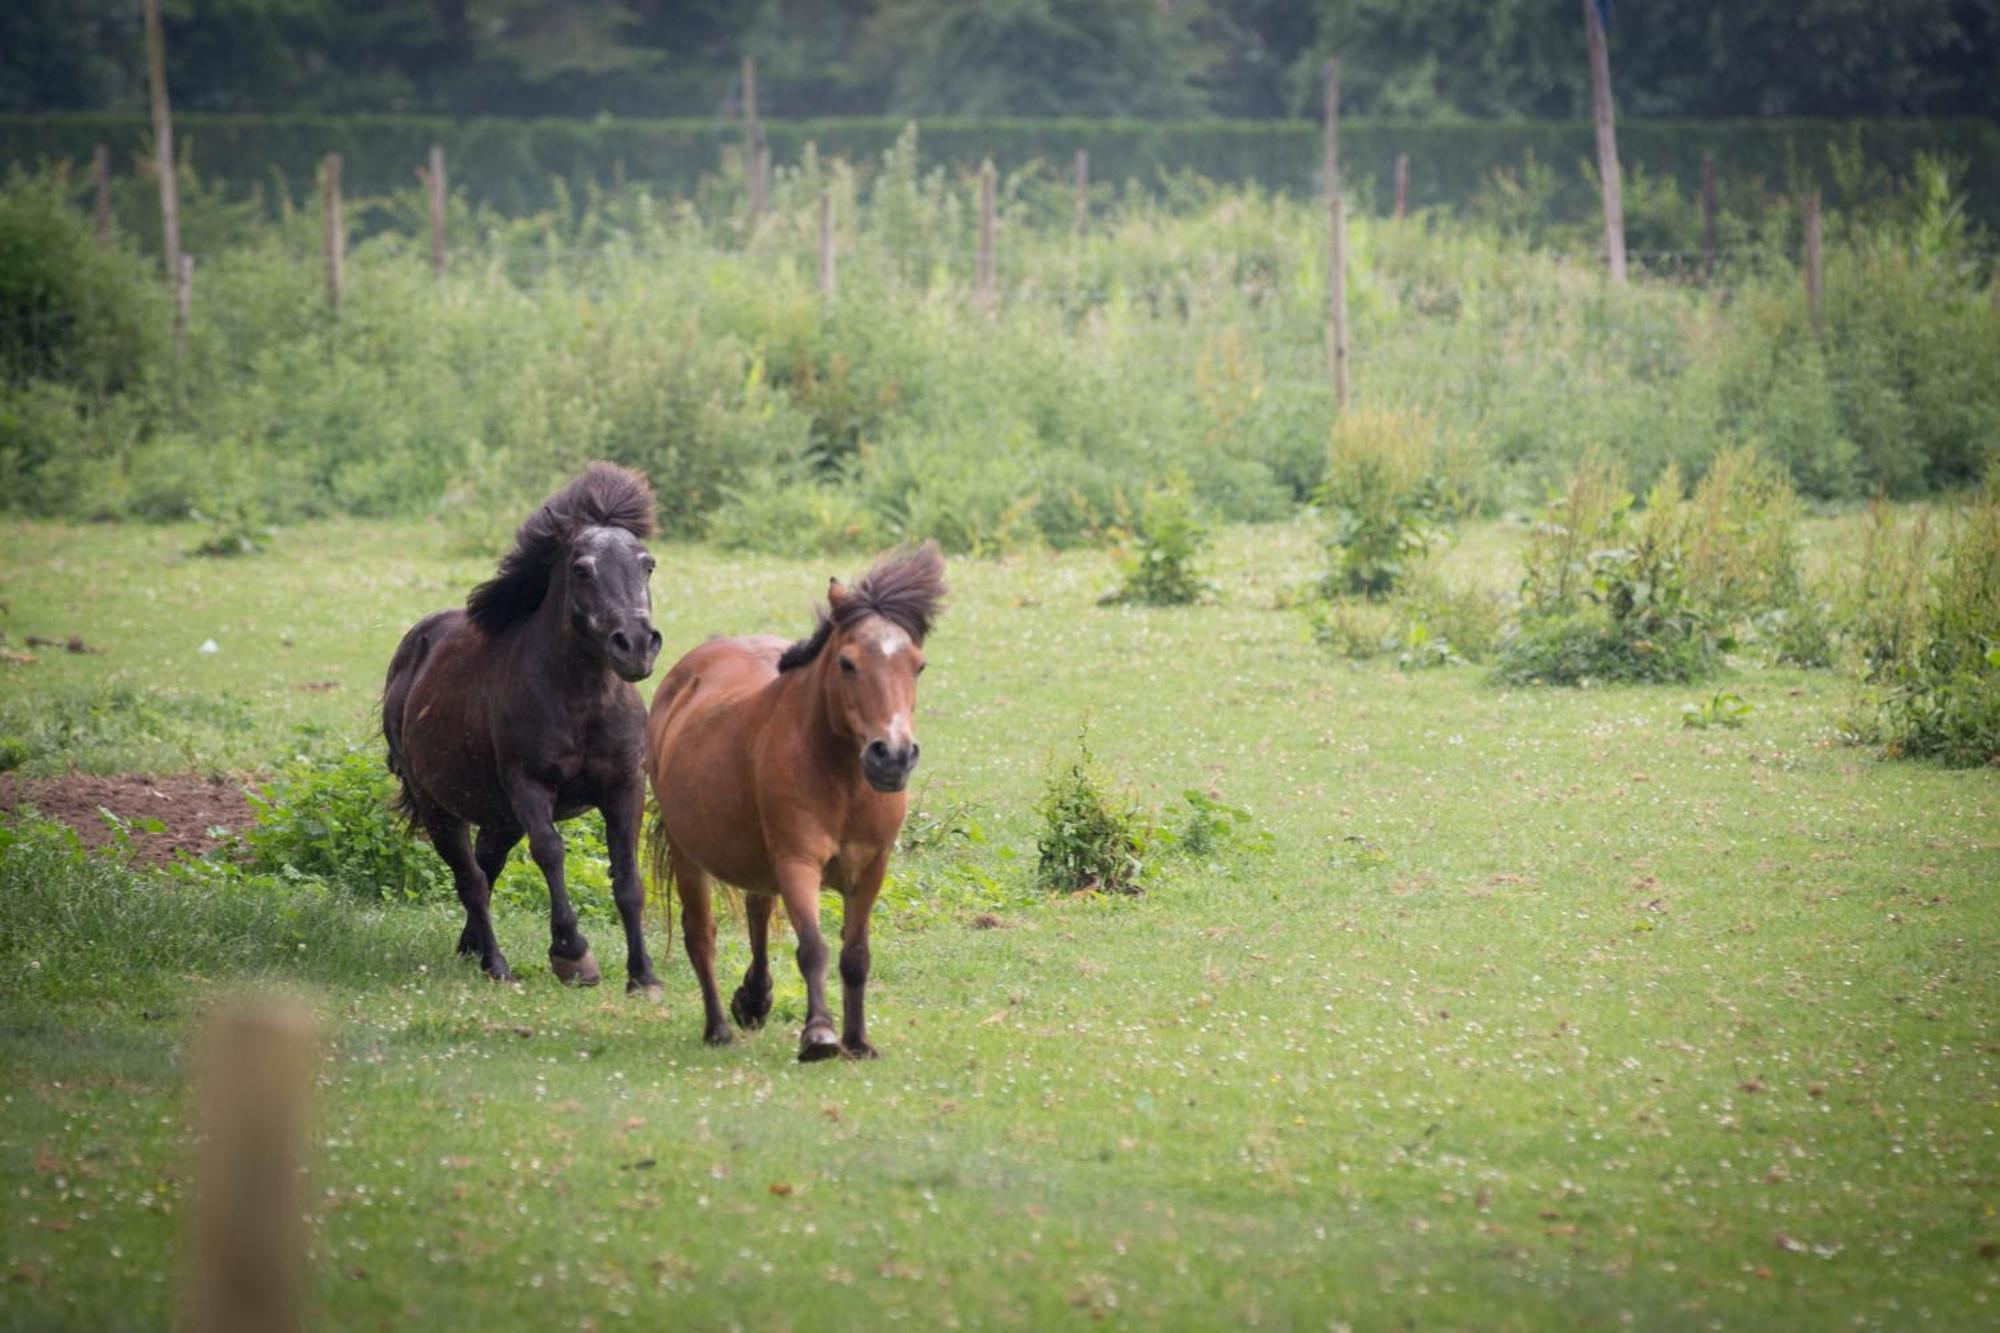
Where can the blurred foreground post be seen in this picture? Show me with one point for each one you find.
(1814, 275)
(1082, 190)
(163, 141)
(183, 304)
(828, 280)
(985, 276)
(1607, 138)
(1402, 185)
(1336, 259)
(336, 234)
(434, 188)
(100, 209)
(253, 1103)
(1708, 212)
(755, 155)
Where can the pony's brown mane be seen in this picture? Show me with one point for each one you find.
(604, 496)
(905, 588)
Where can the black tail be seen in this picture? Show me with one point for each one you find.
(403, 667)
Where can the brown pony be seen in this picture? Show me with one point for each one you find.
(780, 768)
(519, 711)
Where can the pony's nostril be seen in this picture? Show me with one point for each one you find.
(620, 642)
(915, 750)
(877, 751)
(657, 641)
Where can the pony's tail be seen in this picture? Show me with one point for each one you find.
(660, 890)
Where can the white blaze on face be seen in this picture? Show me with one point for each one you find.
(890, 640)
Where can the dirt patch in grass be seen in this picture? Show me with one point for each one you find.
(192, 808)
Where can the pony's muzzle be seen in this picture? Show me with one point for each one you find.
(887, 767)
(633, 647)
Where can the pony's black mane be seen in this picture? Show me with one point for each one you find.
(905, 588)
(604, 496)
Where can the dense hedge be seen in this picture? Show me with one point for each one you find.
(510, 163)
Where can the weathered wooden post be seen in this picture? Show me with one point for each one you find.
(163, 140)
(1082, 190)
(1402, 185)
(1814, 275)
(828, 280)
(434, 186)
(183, 303)
(335, 232)
(1607, 138)
(756, 157)
(1708, 212)
(985, 297)
(1336, 259)
(100, 208)
(253, 1103)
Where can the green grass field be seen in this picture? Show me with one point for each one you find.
(1540, 1010)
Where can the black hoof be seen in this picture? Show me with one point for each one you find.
(858, 1050)
(817, 1043)
(749, 1010)
(501, 972)
(576, 971)
(649, 987)
(721, 1036)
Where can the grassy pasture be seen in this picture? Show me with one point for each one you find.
(1542, 1009)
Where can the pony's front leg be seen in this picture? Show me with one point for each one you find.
(798, 886)
(854, 960)
(535, 808)
(623, 811)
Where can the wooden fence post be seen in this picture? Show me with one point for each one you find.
(828, 280)
(183, 303)
(755, 156)
(1814, 275)
(985, 277)
(1336, 259)
(1607, 139)
(434, 186)
(253, 1100)
(336, 234)
(1708, 212)
(1082, 190)
(100, 207)
(1402, 185)
(163, 140)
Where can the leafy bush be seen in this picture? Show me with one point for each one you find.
(1091, 839)
(1160, 569)
(1578, 648)
(333, 819)
(1944, 702)
(1724, 708)
(1879, 598)
(1380, 492)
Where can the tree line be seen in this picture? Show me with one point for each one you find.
(1414, 59)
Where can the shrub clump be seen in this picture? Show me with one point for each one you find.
(1383, 499)
(1091, 839)
(332, 819)
(1168, 540)
(1944, 701)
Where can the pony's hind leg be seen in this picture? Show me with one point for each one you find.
(448, 835)
(751, 1004)
(490, 850)
(691, 882)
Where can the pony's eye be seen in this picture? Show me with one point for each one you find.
(921, 667)
(581, 569)
(847, 667)
(650, 564)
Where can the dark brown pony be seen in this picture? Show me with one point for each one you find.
(519, 711)
(780, 768)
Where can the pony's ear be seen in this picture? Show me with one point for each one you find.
(836, 593)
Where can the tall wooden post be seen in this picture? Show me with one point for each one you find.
(984, 291)
(100, 207)
(828, 279)
(1336, 259)
(1607, 139)
(1814, 275)
(755, 155)
(435, 187)
(183, 303)
(335, 232)
(253, 1100)
(1402, 185)
(1082, 190)
(1708, 212)
(163, 140)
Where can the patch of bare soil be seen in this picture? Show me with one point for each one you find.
(190, 807)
